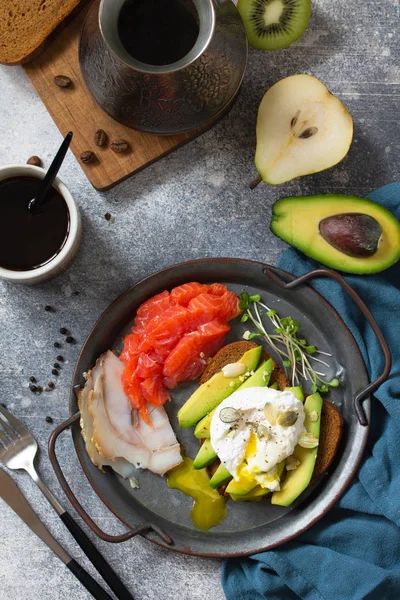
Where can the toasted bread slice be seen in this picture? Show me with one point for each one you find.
(26, 24)
(331, 419)
(329, 438)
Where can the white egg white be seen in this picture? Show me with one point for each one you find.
(231, 440)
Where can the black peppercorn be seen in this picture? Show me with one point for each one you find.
(49, 420)
(69, 339)
(60, 358)
(76, 293)
(39, 389)
(33, 388)
(63, 331)
(54, 372)
(56, 366)
(32, 378)
(48, 308)
(107, 216)
(51, 385)
(57, 345)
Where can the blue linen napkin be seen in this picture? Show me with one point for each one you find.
(353, 553)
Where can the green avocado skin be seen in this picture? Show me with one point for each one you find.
(296, 221)
(205, 456)
(220, 476)
(296, 481)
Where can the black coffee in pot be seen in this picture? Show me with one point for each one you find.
(158, 32)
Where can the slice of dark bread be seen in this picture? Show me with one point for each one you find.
(331, 419)
(329, 438)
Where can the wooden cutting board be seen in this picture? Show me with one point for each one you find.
(73, 109)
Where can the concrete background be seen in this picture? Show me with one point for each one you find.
(194, 203)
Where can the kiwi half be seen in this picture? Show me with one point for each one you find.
(274, 24)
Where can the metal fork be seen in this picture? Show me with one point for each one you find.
(18, 449)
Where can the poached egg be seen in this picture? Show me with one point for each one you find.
(254, 430)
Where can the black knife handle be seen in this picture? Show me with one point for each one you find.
(87, 580)
(96, 558)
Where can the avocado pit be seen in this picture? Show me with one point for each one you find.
(354, 234)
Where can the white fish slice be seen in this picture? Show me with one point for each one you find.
(120, 466)
(111, 437)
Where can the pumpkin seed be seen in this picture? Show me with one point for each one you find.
(234, 369)
(287, 418)
(270, 413)
(229, 415)
(313, 416)
(292, 463)
(308, 440)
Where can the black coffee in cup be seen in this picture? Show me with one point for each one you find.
(30, 240)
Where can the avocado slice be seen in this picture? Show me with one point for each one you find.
(241, 487)
(361, 244)
(257, 492)
(254, 495)
(296, 481)
(220, 476)
(274, 386)
(205, 455)
(259, 379)
(297, 391)
(212, 392)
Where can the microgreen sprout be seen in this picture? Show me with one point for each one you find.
(295, 352)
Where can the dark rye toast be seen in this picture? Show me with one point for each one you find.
(331, 419)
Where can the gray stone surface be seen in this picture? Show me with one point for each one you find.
(194, 203)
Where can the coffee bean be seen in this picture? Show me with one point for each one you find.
(100, 138)
(49, 420)
(87, 156)
(62, 81)
(35, 161)
(119, 146)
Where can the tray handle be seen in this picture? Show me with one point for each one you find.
(365, 392)
(78, 507)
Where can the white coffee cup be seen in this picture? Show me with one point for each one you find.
(68, 252)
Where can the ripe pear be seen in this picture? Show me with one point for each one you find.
(301, 129)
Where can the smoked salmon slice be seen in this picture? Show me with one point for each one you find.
(173, 336)
(188, 359)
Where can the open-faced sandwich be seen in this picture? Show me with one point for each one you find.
(259, 435)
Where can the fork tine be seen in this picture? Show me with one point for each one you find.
(4, 441)
(9, 430)
(13, 422)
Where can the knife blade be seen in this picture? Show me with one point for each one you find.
(12, 495)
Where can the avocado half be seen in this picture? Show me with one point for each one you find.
(297, 221)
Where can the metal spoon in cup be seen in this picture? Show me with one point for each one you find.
(46, 185)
